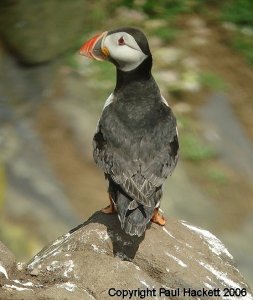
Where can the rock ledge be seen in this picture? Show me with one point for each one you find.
(96, 256)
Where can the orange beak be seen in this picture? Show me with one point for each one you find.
(94, 49)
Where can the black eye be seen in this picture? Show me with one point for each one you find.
(121, 41)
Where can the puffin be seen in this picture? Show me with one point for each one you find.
(136, 140)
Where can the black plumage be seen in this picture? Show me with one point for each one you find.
(136, 142)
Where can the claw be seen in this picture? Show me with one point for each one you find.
(110, 209)
(158, 218)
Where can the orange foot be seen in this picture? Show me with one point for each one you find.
(158, 218)
(110, 209)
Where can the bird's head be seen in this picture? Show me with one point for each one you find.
(127, 48)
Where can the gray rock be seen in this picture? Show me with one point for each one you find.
(7, 262)
(97, 256)
(38, 31)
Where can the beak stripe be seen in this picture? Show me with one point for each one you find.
(105, 51)
(88, 48)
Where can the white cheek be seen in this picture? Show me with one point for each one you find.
(126, 54)
(127, 57)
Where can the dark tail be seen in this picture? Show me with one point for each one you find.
(133, 216)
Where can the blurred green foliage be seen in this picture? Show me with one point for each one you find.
(236, 11)
(166, 34)
(239, 12)
(163, 8)
(166, 8)
(212, 81)
(106, 70)
(194, 149)
(216, 175)
(243, 44)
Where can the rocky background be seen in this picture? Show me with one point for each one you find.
(51, 98)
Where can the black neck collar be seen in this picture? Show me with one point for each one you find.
(141, 73)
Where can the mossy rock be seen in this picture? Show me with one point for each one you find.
(38, 31)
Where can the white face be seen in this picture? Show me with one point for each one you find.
(124, 49)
